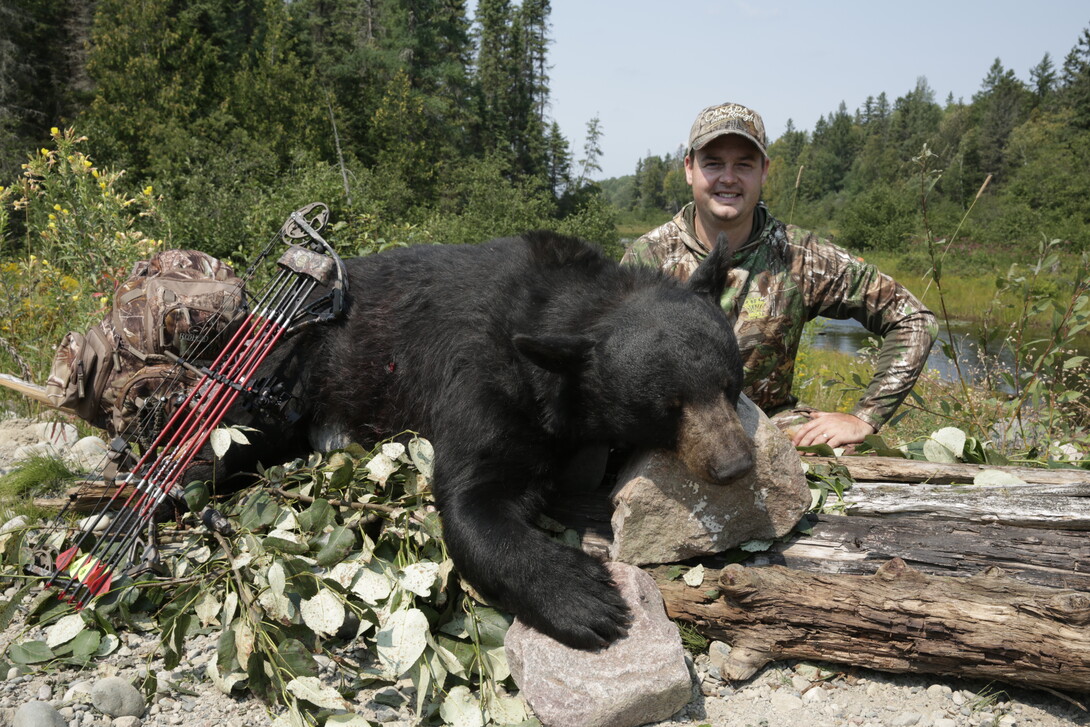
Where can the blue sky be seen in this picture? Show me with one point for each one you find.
(646, 67)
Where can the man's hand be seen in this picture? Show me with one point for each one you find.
(833, 428)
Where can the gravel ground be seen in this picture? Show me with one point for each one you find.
(786, 693)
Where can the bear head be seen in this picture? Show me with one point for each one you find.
(659, 369)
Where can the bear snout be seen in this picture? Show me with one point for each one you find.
(712, 443)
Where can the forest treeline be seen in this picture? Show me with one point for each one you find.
(399, 113)
(418, 122)
(861, 175)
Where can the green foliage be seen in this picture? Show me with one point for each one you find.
(69, 232)
(339, 555)
(881, 218)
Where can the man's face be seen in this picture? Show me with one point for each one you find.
(726, 176)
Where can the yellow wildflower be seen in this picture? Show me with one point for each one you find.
(52, 216)
(55, 131)
(45, 152)
(148, 190)
(94, 172)
(57, 207)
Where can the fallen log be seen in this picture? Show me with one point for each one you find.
(895, 469)
(86, 496)
(986, 626)
(1062, 507)
(852, 545)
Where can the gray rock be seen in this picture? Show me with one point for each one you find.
(127, 722)
(45, 693)
(78, 691)
(37, 714)
(784, 701)
(638, 679)
(906, 719)
(116, 697)
(56, 433)
(657, 495)
(88, 454)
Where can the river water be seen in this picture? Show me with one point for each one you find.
(849, 336)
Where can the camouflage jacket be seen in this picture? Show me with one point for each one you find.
(783, 277)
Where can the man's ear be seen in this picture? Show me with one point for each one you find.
(710, 277)
(559, 354)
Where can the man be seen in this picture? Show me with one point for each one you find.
(781, 278)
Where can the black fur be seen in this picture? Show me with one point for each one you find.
(512, 356)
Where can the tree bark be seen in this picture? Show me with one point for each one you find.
(1062, 507)
(897, 620)
(851, 545)
(895, 469)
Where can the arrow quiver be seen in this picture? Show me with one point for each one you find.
(176, 418)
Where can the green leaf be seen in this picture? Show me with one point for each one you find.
(342, 476)
(340, 543)
(461, 708)
(997, 478)
(401, 641)
(196, 496)
(299, 578)
(492, 626)
(293, 657)
(7, 611)
(66, 629)
(317, 517)
(324, 613)
(220, 439)
(86, 644)
(952, 439)
(258, 511)
(283, 545)
(30, 652)
(934, 451)
(312, 690)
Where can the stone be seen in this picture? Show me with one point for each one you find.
(656, 495)
(116, 697)
(127, 722)
(784, 701)
(78, 691)
(640, 678)
(88, 454)
(37, 714)
(58, 434)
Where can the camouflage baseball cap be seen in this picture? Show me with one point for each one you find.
(728, 118)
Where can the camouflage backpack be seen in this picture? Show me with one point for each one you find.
(180, 302)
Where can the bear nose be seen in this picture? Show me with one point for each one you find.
(731, 469)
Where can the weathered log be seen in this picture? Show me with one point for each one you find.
(1062, 507)
(853, 545)
(895, 469)
(900, 620)
(87, 496)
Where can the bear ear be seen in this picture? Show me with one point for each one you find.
(710, 277)
(560, 354)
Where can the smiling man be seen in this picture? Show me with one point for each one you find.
(782, 277)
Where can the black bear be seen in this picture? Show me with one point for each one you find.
(512, 357)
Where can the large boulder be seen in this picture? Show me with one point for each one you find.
(642, 677)
(662, 514)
